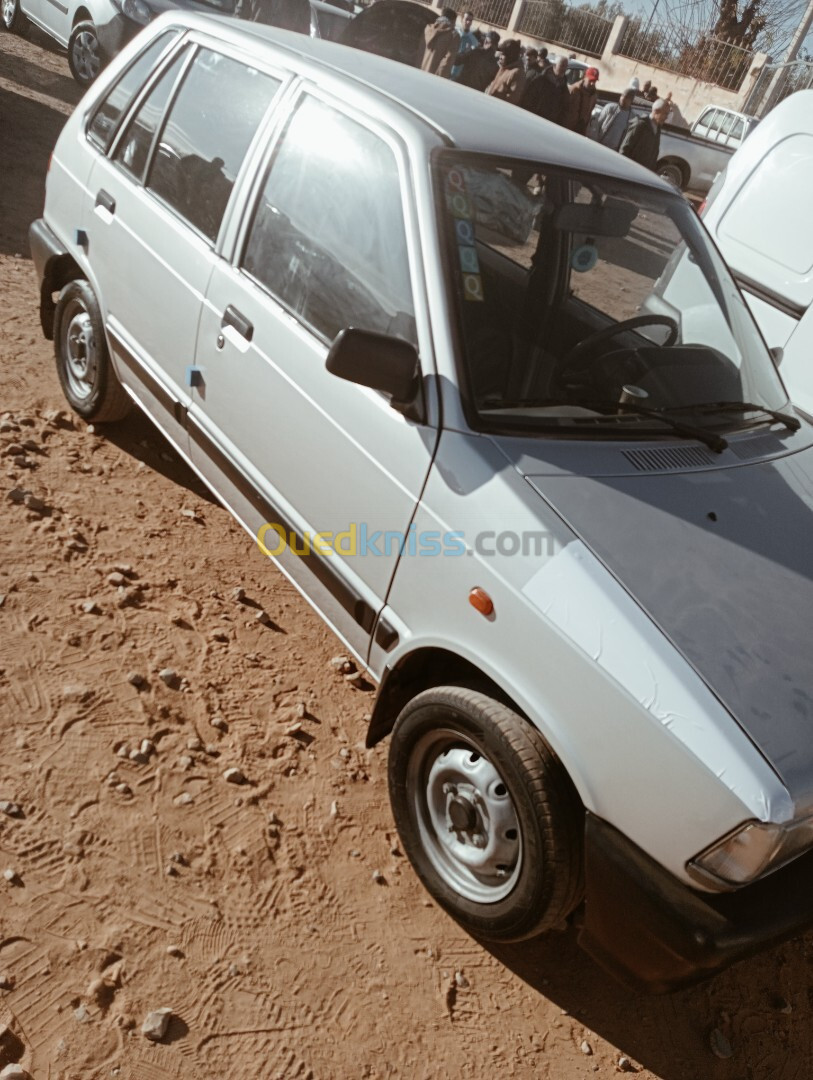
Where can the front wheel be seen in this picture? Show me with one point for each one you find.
(83, 364)
(13, 18)
(486, 814)
(84, 53)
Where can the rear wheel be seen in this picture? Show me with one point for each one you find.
(672, 173)
(12, 17)
(486, 814)
(84, 53)
(83, 364)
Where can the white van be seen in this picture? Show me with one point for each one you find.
(759, 215)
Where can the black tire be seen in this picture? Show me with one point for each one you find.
(85, 58)
(529, 882)
(83, 363)
(672, 172)
(13, 18)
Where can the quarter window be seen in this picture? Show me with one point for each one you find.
(328, 238)
(107, 115)
(133, 149)
(210, 124)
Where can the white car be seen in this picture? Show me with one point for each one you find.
(78, 26)
(567, 541)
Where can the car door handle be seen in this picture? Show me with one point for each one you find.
(232, 317)
(107, 202)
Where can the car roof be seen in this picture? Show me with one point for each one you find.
(464, 118)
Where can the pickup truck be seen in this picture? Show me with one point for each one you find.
(691, 159)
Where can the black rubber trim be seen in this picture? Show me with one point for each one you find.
(386, 636)
(44, 247)
(761, 292)
(656, 934)
(324, 573)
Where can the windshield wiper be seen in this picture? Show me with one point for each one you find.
(688, 431)
(789, 421)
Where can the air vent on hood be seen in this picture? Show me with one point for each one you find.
(669, 457)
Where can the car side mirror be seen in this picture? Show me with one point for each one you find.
(384, 363)
(777, 354)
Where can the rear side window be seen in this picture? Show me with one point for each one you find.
(210, 124)
(328, 238)
(105, 119)
(133, 148)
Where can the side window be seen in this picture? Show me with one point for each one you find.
(206, 135)
(134, 148)
(328, 238)
(105, 119)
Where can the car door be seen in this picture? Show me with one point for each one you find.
(159, 201)
(327, 472)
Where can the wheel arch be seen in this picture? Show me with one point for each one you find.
(59, 270)
(82, 15)
(420, 670)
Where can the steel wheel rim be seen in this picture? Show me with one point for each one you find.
(86, 58)
(466, 819)
(79, 350)
(9, 9)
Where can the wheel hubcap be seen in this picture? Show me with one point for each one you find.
(86, 55)
(466, 817)
(9, 7)
(79, 351)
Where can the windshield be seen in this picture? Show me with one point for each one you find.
(588, 304)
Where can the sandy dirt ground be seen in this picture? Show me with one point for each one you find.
(277, 920)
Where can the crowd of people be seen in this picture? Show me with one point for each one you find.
(526, 77)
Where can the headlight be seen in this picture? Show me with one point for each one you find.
(752, 851)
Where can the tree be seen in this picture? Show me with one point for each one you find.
(741, 29)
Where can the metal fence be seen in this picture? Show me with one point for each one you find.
(574, 28)
(776, 82)
(707, 58)
(495, 12)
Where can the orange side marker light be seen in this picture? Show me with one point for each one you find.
(481, 601)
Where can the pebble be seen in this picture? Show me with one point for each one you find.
(174, 950)
(126, 569)
(191, 514)
(138, 757)
(116, 579)
(625, 1065)
(155, 1024)
(300, 710)
(219, 723)
(11, 875)
(586, 1048)
(13, 809)
(194, 743)
(461, 981)
(147, 747)
(123, 751)
(355, 854)
(14, 1072)
(238, 595)
(344, 753)
(7, 981)
(343, 664)
(81, 1015)
(334, 809)
(179, 858)
(234, 776)
(185, 762)
(293, 729)
(35, 504)
(90, 607)
(263, 618)
(136, 679)
(170, 870)
(720, 1046)
(378, 877)
(354, 678)
(17, 495)
(124, 789)
(169, 676)
(184, 799)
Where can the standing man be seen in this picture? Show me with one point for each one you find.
(583, 97)
(614, 119)
(468, 41)
(533, 66)
(548, 95)
(480, 65)
(441, 44)
(643, 138)
(509, 82)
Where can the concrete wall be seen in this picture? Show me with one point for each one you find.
(689, 96)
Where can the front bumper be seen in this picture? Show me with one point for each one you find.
(656, 934)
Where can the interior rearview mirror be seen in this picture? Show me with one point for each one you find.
(384, 363)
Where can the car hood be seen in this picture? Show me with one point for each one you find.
(721, 559)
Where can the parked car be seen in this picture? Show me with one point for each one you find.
(565, 540)
(756, 213)
(94, 31)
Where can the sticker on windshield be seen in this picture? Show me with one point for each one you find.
(460, 207)
(584, 258)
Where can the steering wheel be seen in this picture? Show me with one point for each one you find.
(585, 348)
